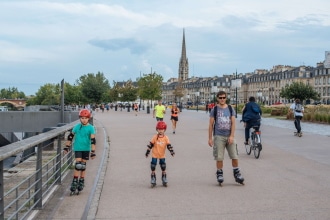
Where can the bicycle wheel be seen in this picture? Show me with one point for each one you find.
(256, 149)
(248, 147)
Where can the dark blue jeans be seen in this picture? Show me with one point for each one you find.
(248, 126)
(297, 123)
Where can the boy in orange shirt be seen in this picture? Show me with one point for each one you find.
(158, 145)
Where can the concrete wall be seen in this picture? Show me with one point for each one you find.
(17, 121)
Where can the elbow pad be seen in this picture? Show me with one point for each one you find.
(93, 141)
(70, 136)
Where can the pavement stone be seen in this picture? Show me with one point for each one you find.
(288, 181)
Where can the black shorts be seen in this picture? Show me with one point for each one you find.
(175, 118)
(82, 154)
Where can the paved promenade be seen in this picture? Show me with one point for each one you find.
(290, 180)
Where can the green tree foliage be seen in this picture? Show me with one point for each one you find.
(299, 90)
(114, 92)
(73, 95)
(94, 87)
(48, 94)
(150, 86)
(129, 93)
(11, 93)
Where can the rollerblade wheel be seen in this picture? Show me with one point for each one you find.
(153, 185)
(165, 184)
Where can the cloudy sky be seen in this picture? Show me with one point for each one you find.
(47, 41)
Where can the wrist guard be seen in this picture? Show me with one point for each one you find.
(67, 148)
(70, 136)
(147, 152)
(170, 148)
(149, 146)
(93, 153)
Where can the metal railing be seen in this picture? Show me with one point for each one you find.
(23, 187)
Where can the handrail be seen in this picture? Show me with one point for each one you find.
(20, 194)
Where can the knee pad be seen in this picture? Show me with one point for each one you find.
(153, 166)
(83, 166)
(80, 166)
(163, 166)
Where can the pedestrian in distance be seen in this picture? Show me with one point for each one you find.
(251, 116)
(298, 112)
(157, 146)
(159, 111)
(222, 127)
(83, 142)
(174, 116)
(136, 108)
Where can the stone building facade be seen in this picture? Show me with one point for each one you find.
(263, 84)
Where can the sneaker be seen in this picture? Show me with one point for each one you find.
(246, 143)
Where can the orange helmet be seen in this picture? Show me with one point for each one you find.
(161, 125)
(85, 113)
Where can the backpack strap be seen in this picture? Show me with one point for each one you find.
(231, 110)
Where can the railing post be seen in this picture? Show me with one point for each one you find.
(2, 206)
(38, 187)
(58, 174)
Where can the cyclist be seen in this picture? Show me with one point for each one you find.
(251, 116)
(298, 111)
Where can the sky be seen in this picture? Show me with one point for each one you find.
(47, 41)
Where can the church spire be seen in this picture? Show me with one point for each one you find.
(183, 65)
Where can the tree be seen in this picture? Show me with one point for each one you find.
(94, 87)
(178, 91)
(73, 95)
(48, 94)
(299, 90)
(150, 86)
(11, 93)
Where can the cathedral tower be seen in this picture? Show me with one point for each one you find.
(183, 65)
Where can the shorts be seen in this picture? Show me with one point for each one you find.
(175, 118)
(136, 109)
(159, 119)
(220, 144)
(82, 154)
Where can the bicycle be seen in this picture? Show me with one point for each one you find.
(255, 143)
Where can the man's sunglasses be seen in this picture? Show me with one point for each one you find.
(219, 97)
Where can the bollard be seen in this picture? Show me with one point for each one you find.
(115, 107)
(128, 107)
(148, 109)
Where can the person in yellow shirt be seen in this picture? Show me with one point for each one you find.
(159, 111)
(158, 145)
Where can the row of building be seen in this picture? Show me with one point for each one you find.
(263, 84)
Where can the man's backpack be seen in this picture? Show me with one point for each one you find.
(255, 108)
(215, 110)
(298, 107)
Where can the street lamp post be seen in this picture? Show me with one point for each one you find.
(197, 95)
(181, 104)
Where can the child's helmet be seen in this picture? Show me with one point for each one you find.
(161, 125)
(85, 113)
